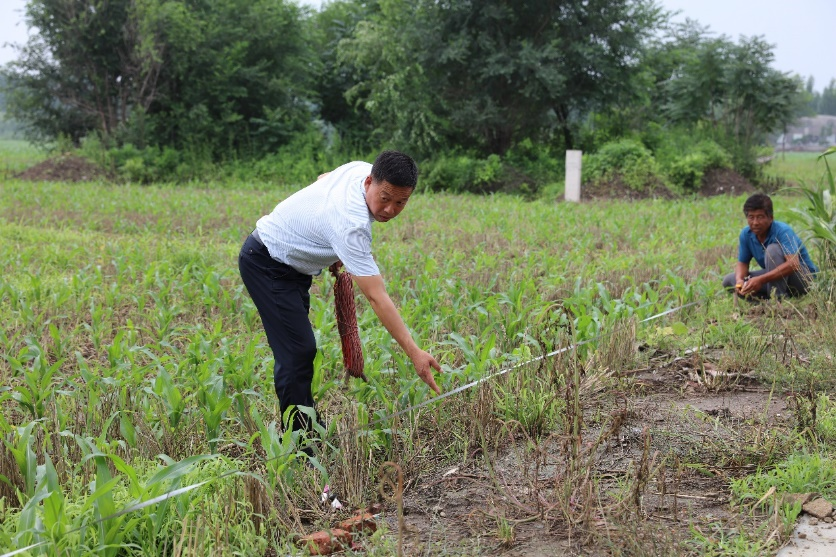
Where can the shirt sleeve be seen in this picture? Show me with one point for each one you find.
(744, 253)
(354, 248)
(790, 242)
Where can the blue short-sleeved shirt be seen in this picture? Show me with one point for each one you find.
(779, 233)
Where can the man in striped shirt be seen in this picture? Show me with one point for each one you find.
(328, 221)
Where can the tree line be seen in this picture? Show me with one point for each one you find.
(241, 79)
(820, 103)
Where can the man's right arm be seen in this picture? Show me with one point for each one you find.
(741, 269)
(374, 290)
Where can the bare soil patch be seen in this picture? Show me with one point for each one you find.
(64, 168)
(616, 188)
(652, 462)
(724, 181)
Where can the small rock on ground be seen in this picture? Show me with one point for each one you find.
(818, 508)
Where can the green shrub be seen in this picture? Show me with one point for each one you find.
(151, 164)
(134, 170)
(626, 158)
(298, 163)
(669, 144)
(715, 156)
(462, 173)
(686, 173)
(538, 162)
(686, 165)
(118, 156)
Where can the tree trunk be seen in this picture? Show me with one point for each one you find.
(562, 112)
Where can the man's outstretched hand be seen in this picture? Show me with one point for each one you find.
(424, 364)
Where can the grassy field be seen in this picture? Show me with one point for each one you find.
(796, 168)
(17, 155)
(135, 364)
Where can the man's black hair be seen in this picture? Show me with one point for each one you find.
(396, 168)
(758, 201)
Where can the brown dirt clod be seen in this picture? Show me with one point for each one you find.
(820, 508)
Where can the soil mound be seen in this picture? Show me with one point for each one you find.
(724, 181)
(615, 188)
(64, 168)
(717, 181)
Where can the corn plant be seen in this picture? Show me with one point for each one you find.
(169, 395)
(22, 449)
(114, 527)
(43, 519)
(282, 449)
(213, 403)
(818, 218)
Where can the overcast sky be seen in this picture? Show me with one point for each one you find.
(801, 30)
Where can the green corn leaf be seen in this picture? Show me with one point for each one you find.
(178, 469)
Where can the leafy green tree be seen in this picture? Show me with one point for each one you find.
(811, 98)
(638, 109)
(335, 22)
(235, 75)
(208, 75)
(827, 104)
(78, 72)
(734, 89)
(487, 74)
(389, 82)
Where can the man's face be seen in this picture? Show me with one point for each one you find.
(384, 200)
(759, 221)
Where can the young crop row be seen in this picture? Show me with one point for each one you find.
(132, 354)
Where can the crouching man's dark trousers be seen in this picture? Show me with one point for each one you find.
(795, 284)
(282, 297)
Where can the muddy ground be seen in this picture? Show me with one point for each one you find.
(662, 452)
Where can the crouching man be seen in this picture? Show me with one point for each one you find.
(786, 267)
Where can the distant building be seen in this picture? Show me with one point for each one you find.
(811, 133)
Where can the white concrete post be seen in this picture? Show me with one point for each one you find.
(573, 176)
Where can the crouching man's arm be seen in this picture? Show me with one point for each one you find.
(741, 271)
(788, 267)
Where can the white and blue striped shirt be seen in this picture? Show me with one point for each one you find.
(322, 223)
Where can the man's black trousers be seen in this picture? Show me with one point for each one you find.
(282, 296)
